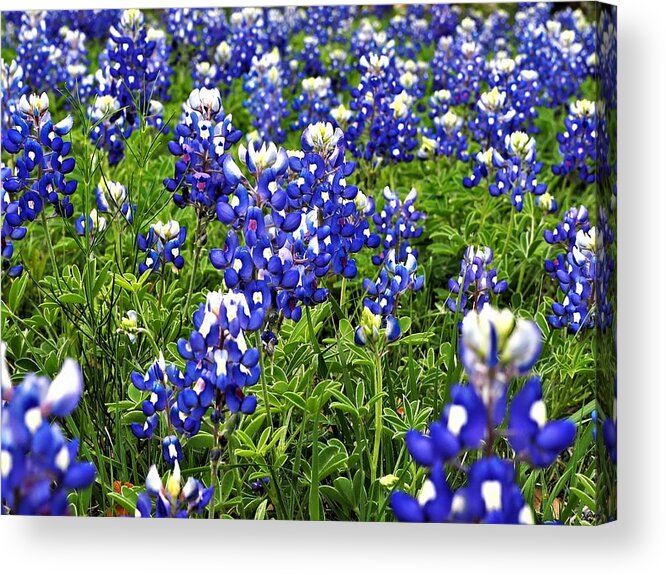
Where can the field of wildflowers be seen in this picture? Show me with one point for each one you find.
(325, 263)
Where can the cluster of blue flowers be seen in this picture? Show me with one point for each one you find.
(383, 127)
(495, 348)
(204, 136)
(515, 172)
(38, 464)
(12, 87)
(307, 62)
(378, 321)
(111, 199)
(292, 220)
(396, 226)
(575, 271)
(172, 500)
(578, 143)
(315, 102)
(459, 63)
(265, 102)
(41, 173)
(162, 245)
(134, 76)
(219, 366)
(560, 50)
(37, 54)
(193, 29)
(477, 280)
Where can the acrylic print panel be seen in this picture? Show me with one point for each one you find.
(327, 263)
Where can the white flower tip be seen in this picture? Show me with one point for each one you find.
(65, 389)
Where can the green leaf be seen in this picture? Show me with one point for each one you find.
(72, 298)
(202, 440)
(294, 399)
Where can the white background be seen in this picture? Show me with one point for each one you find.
(634, 543)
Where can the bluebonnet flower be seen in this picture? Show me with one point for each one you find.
(12, 228)
(74, 68)
(446, 138)
(495, 347)
(558, 55)
(531, 435)
(129, 325)
(247, 39)
(607, 52)
(38, 464)
(341, 116)
(439, 103)
(41, 171)
(382, 297)
(384, 127)
(220, 363)
(156, 383)
(171, 450)
(494, 118)
(204, 136)
(92, 225)
(12, 87)
(410, 30)
(300, 220)
(133, 76)
(173, 499)
(443, 19)
(476, 281)
(490, 496)
(578, 143)
(111, 198)
(205, 74)
(184, 26)
(581, 271)
(219, 367)
(329, 23)
(37, 54)
(547, 203)
(463, 60)
(260, 485)
(495, 29)
(524, 91)
(110, 128)
(309, 58)
(338, 70)
(162, 246)
(315, 102)
(397, 224)
(265, 102)
(369, 38)
(515, 175)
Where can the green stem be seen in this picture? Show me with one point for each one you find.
(119, 248)
(313, 499)
(264, 383)
(161, 295)
(343, 293)
(215, 456)
(50, 247)
(321, 364)
(197, 256)
(379, 410)
(509, 231)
